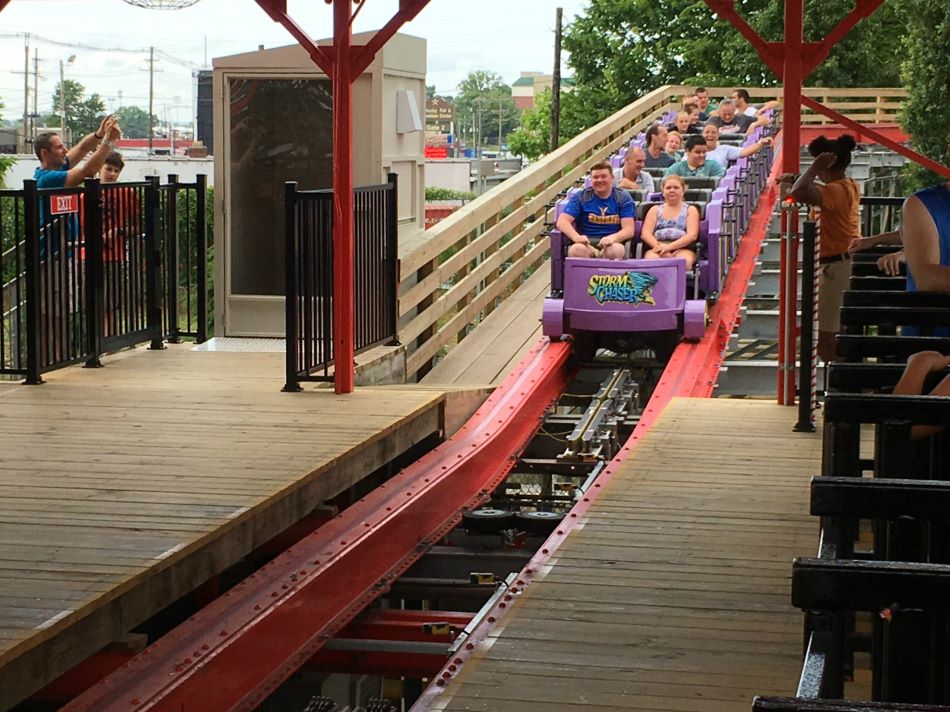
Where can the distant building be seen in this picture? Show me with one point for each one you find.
(531, 84)
(9, 137)
(205, 109)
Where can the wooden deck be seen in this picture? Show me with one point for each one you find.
(488, 354)
(125, 487)
(673, 592)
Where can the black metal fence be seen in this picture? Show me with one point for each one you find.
(877, 594)
(309, 276)
(89, 270)
(878, 215)
(184, 230)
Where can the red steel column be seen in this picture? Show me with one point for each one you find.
(343, 279)
(792, 129)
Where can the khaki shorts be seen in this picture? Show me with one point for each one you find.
(595, 246)
(833, 280)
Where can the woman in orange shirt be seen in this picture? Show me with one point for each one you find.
(838, 199)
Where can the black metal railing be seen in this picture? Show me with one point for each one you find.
(880, 214)
(309, 326)
(879, 587)
(184, 238)
(85, 270)
(13, 291)
(121, 261)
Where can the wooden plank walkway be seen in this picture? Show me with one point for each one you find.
(673, 592)
(123, 488)
(488, 354)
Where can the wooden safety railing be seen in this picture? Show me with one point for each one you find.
(875, 105)
(483, 251)
(474, 258)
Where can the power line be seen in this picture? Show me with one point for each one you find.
(93, 48)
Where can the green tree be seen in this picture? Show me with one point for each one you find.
(925, 114)
(483, 101)
(622, 49)
(82, 114)
(134, 121)
(532, 138)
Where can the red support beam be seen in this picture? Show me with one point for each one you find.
(382, 624)
(411, 626)
(408, 9)
(861, 10)
(878, 137)
(236, 651)
(343, 240)
(793, 60)
(277, 9)
(769, 52)
(343, 63)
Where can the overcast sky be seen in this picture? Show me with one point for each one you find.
(505, 36)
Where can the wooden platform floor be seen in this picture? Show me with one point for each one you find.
(122, 488)
(673, 593)
(488, 354)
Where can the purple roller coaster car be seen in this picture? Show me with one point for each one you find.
(623, 296)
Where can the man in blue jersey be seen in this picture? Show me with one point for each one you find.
(599, 220)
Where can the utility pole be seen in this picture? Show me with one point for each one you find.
(26, 94)
(500, 101)
(151, 98)
(62, 99)
(36, 91)
(556, 85)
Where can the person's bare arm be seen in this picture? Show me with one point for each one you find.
(911, 383)
(766, 106)
(88, 142)
(760, 121)
(755, 147)
(625, 233)
(891, 264)
(90, 168)
(919, 366)
(628, 184)
(866, 243)
(565, 224)
(804, 189)
(922, 248)
(649, 225)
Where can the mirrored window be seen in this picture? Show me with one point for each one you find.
(281, 130)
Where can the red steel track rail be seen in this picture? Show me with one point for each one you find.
(692, 371)
(238, 649)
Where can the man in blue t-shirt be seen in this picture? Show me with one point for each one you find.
(598, 220)
(56, 171)
(56, 161)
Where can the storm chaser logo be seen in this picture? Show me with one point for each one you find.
(627, 288)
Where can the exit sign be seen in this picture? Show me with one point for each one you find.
(64, 204)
